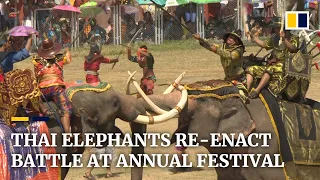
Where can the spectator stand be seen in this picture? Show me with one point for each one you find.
(222, 17)
(165, 28)
(158, 26)
(62, 27)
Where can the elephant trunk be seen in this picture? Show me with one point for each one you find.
(137, 172)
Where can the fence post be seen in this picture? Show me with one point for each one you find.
(241, 25)
(33, 20)
(117, 25)
(72, 30)
(200, 20)
(161, 27)
(158, 25)
(318, 15)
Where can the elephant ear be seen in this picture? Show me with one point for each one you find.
(235, 118)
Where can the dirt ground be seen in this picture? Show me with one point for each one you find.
(198, 63)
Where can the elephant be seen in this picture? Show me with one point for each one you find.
(96, 113)
(230, 115)
(106, 107)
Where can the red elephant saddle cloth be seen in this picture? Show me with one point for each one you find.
(73, 87)
(220, 89)
(18, 88)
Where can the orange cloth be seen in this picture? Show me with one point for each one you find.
(54, 71)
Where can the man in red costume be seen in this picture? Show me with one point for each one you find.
(49, 73)
(145, 61)
(92, 64)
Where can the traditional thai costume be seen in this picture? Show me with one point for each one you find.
(275, 64)
(50, 76)
(92, 64)
(231, 58)
(146, 62)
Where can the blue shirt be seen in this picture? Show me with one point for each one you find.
(14, 57)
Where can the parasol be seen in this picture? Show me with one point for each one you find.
(90, 9)
(23, 30)
(67, 8)
(15, 33)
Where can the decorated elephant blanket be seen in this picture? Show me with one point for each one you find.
(297, 129)
(22, 173)
(301, 123)
(220, 89)
(77, 86)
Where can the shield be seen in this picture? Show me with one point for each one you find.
(19, 88)
(298, 76)
(299, 66)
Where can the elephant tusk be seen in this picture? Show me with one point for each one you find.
(168, 115)
(128, 82)
(174, 84)
(154, 107)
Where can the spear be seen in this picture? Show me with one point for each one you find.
(317, 45)
(258, 52)
(315, 55)
(318, 34)
(133, 38)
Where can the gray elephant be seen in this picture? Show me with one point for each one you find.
(215, 113)
(96, 113)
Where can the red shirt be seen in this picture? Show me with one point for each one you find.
(94, 66)
(51, 75)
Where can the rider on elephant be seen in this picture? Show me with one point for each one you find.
(230, 52)
(49, 73)
(92, 64)
(273, 71)
(146, 62)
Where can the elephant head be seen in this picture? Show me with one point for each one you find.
(203, 115)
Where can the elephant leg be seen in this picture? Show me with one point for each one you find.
(87, 125)
(137, 172)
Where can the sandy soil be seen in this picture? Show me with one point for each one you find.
(199, 64)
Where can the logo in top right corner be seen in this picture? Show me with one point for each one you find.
(297, 20)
